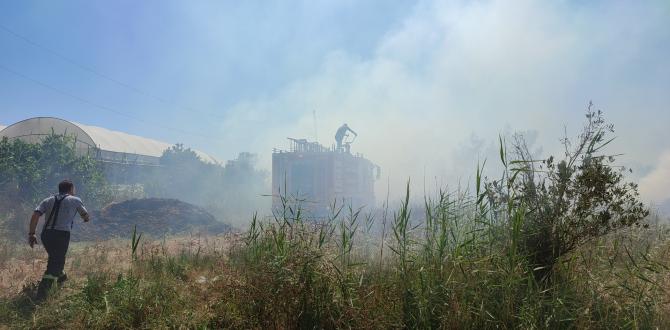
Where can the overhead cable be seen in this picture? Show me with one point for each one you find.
(96, 105)
(100, 74)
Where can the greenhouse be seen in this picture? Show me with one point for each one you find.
(104, 144)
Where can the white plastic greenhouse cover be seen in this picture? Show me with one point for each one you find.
(33, 129)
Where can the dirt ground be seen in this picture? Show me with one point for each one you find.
(20, 265)
(158, 216)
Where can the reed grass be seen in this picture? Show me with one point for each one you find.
(449, 263)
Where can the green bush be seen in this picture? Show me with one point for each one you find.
(31, 172)
(554, 206)
(231, 191)
(462, 261)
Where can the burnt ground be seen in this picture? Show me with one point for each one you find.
(153, 216)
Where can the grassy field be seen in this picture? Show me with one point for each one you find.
(437, 266)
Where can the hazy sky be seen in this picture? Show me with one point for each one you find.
(428, 85)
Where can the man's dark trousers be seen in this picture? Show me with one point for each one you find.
(56, 242)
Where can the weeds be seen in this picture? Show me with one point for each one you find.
(134, 243)
(442, 271)
(518, 253)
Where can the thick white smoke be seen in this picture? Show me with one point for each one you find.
(460, 69)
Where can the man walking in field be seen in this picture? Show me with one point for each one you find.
(60, 211)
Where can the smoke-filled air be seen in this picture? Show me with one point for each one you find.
(335, 164)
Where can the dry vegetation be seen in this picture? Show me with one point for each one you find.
(104, 266)
(21, 266)
(552, 244)
(287, 273)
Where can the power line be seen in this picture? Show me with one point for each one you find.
(316, 132)
(100, 74)
(96, 105)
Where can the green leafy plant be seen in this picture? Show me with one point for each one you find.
(30, 172)
(554, 206)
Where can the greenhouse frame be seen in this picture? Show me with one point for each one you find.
(104, 144)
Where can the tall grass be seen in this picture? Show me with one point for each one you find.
(452, 262)
(459, 265)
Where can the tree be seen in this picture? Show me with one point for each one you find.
(243, 185)
(566, 202)
(229, 192)
(183, 175)
(30, 172)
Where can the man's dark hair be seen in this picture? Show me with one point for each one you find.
(65, 186)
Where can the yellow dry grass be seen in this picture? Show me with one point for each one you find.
(20, 265)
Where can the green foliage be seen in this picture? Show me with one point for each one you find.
(180, 157)
(182, 175)
(554, 206)
(229, 192)
(31, 172)
(289, 273)
(459, 267)
(465, 262)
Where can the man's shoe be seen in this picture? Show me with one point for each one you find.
(45, 287)
(61, 279)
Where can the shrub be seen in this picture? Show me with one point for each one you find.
(30, 172)
(557, 205)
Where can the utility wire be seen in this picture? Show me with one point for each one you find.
(96, 105)
(100, 74)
